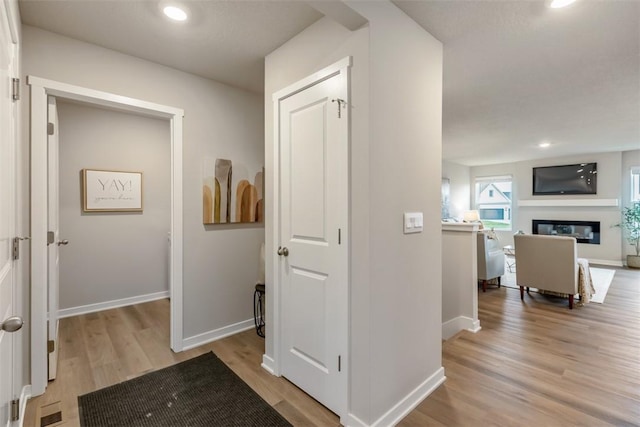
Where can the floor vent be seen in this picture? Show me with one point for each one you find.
(50, 415)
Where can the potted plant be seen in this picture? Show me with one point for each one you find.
(631, 225)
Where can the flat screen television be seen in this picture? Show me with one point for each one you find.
(581, 178)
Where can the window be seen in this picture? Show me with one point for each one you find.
(493, 201)
(635, 184)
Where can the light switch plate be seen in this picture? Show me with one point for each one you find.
(413, 222)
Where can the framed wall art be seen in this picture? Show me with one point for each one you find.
(231, 193)
(111, 191)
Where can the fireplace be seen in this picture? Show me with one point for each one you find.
(584, 231)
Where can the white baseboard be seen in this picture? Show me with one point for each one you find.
(353, 421)
(92, 308)
(457, 324)
(411, 400)
(268, 364)
(612, 263)
(216, 334)
(25, 395)
(475, 327)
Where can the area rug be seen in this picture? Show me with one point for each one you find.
(601, 279)
(202, 391)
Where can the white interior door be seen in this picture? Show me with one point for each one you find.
(7, 218)
(313, 238)
(54, 242)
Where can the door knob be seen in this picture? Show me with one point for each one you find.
(12, 324)
(64, 242)
(283, 251)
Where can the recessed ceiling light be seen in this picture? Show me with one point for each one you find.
(557, 4)
(544, 144)
(175, 13)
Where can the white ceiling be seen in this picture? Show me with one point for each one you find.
(222, 40)
(515, 72)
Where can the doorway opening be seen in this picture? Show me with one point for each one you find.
(41, 90)
(111, 253)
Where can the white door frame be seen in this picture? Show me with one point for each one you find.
(40, 89)
(8, 27)
(53, 212)
(339, 67)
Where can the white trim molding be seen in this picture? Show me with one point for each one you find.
(91, 96)
(411, 400)
(569, 202)
(40, 90)
(315, 78)
(268, 364)
(353, 421)
(463, 227)
(25, 395)
(609, 262)
(401, 409)
(107, 305)
(457, 324)
(217, 334)
(39, 254)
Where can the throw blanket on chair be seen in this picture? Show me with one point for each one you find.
(585, 284)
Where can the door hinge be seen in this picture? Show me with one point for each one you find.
(16, 248)
(50, 128)
(339, 363)
(15, 89)
(51, 237)
(51, 346)
(15, 409)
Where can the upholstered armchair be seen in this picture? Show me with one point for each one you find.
(490, 258)
(548, 263)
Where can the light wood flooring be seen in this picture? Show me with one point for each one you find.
(533, 363)
(537, 363)
(105, 348)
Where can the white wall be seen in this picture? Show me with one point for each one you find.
(220, 262)
(629, 159)
(609, 172)
(112, 256)
(395, 167)
(460, 187)
(406, 175)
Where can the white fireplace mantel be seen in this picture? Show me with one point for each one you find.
(568, 202)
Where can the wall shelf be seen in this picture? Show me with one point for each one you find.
(569, 203)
